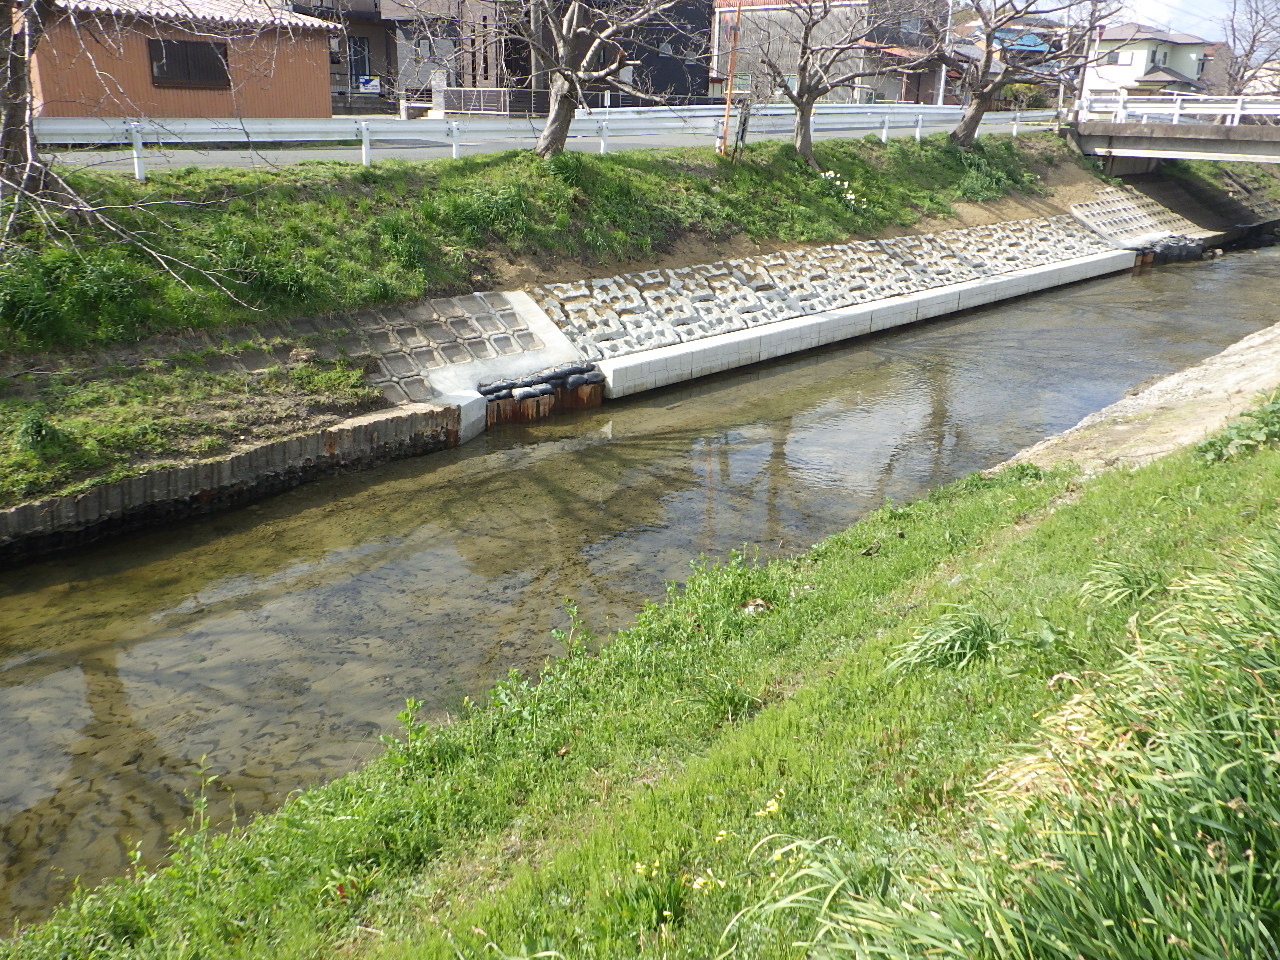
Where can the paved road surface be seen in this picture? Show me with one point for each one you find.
(168, 158)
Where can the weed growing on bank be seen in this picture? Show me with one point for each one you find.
(326, 236)
(1254, 429)
(610, 809)
(60, 432)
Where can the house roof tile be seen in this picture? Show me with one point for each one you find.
(1138, 31)
(244, 13)
(1167, 75)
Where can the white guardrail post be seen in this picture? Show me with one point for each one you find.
(829, 119)
(135, 142)
(1017, 115)
(1177, 109)
(366, 148)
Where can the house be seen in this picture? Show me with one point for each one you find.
(362, 56)
(747, 31)
(1032, 42)
(1144, 60)
(180, 58)
(865, 37)
(918, 84)
(463, 56)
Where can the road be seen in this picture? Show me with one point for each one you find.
(172, 158)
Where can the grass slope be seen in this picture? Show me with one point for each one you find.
(611, 809)
(63, 431)
(319, 237)
(1146, 825)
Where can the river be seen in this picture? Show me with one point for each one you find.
(269, 647)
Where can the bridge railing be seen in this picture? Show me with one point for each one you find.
(1177, 108)
(601, 124)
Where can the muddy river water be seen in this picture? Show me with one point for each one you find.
(271, 646)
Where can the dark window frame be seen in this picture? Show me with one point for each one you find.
(189, 64)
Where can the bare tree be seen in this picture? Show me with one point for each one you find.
(22, 174)
(566, 48)
(1251, 31)
(809, 49)
(1022, 41)
(576, 44)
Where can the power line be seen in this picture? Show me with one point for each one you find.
(1166, 6)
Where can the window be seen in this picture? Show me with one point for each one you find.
(186, 63)
(1118, 58)
(357, 60)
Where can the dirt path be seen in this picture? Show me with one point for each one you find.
(1181, 409)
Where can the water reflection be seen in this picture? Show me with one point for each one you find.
(270, 646)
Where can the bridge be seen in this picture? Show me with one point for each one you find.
(1148, 129)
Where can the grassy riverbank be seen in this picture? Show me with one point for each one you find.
(81, 403)
(612, 809)
(319, 237)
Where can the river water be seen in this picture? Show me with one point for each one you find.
(270, 646)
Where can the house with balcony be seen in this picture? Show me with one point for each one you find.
(1144, 61)
(460, 56)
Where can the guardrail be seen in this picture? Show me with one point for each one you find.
(707, 121)
(1186, 108)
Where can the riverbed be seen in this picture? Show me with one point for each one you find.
(270, 647)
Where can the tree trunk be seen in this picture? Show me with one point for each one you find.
(803, 134)
(20, 167)
(966, 130)
(552, 139)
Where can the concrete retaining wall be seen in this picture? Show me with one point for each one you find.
(684, 361)
(640, 312)
(1132, 220)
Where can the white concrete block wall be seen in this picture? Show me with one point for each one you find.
(698, 358)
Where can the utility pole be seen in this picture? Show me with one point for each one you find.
(946, 48)
(722, 147)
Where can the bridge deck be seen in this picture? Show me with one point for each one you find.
(1259, 143)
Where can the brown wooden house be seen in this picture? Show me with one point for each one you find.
(181, 58)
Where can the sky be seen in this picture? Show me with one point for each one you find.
(1198, 17)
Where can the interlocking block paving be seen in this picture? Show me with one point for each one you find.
(620, 316)
(1134, 220)
(417, 345)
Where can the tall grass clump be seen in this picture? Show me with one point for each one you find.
(1148, 825)
(956, 639)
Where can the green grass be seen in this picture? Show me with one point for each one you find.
(611, 809)
(328, 236)
(1258, 177)
(61, 432)
(1151, 827)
